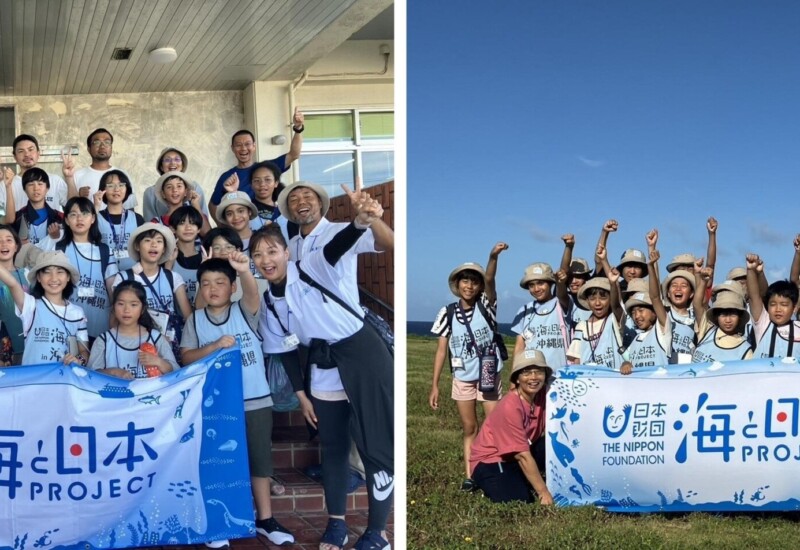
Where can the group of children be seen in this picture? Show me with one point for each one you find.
(621, 317)
(101, 287)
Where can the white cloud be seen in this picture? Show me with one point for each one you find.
(762, 233)
(591, 163)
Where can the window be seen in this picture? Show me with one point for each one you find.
(7, 125)
(338, 145)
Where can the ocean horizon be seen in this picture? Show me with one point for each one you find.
(423, 328)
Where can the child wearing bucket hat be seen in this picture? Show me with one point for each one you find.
(722, 330)
(508, 453)
(54, 328)
(173, 190)
(776, 333)
(151, 245)
(651, 345)
(597, 341)
(464, 334)
(266, 187)
(170, 159)
(542, 323)
(678, 288)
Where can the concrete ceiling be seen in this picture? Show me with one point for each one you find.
(59, 47)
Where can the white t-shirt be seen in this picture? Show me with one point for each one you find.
(89, 177)
(56, 195)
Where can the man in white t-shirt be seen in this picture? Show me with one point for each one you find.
(100, 145)
(26, 152)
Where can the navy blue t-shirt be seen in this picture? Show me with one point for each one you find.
(244, 179)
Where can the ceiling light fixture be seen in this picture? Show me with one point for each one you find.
(163, 55)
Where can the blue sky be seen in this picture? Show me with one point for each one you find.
(534, 119)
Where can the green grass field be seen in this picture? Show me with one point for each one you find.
(441, 516)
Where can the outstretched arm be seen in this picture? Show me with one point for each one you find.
(711, 251)
(251, 300)
(11, 207)
(491, 270)
(298, 125)
(561, 290)
(654, 289)
(794, 275)
(609, 227)
(702, 279)
(601, 259)
(753, 262)
(566, 256)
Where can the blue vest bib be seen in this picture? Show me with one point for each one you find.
(708, 350)
(122, 357)
(543, 327)
(600, 349)
(461, 345)
(646, 350)
(97, 308)
(254, 377)
(46, 341)
(116, 236)
(781, 348)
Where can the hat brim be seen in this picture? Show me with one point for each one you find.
(59, 261)
(221, 221)
(452, 280)
(169, 241)
(283, 198)
(169, 175)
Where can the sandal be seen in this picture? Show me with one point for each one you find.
(335, 534)
(372, 540)
(468, 486)
(276, 488)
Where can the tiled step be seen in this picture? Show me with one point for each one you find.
(303, 494)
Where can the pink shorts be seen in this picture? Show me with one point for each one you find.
(468, 391)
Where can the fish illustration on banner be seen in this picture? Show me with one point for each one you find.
(713, 437)
(114, 464)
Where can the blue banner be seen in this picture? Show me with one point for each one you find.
(712, 437)
(92, 461)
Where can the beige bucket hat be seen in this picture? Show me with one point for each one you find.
(529, 358)
(680, 259)
(637, 285)
(452, 279)
(678, 273)
(728, 286)
(729, 300)
(579, 266)
(537, 272)
(53, 258)
(632, 256)
(736, 273)
(638, 299)
(597, 282)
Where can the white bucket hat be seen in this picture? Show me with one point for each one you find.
(231, 199)
(283, 198)
(169, 240)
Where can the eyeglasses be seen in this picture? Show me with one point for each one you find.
(106, 142)
(223, 248)
(259, 181)
(116, 186)
(76, 215)
(172, 160)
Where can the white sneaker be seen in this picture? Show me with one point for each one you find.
(224, 543)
